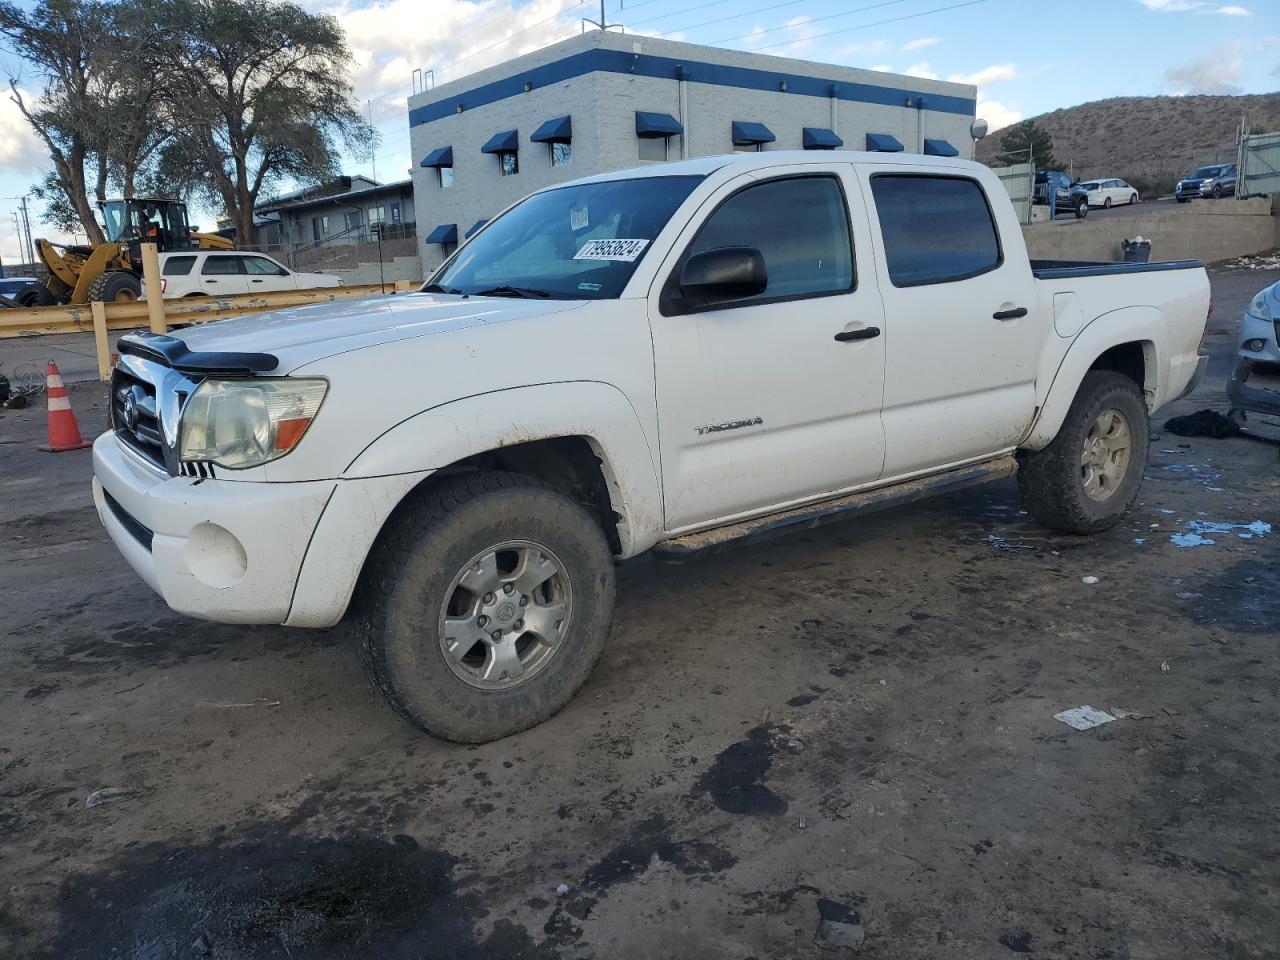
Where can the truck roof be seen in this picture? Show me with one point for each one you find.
(744, 162)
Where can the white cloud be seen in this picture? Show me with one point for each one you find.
(1231, 11)
(997, 114)
(1217, 72)
(881, 68)
(996, 73)
(21, 151)
(921, 70)
(920, 44)
(1197, 6)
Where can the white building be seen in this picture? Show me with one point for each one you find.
(607, 101)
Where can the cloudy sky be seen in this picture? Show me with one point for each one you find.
(1024, 59)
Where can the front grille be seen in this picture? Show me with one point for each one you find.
(135, 415)
(136, 530)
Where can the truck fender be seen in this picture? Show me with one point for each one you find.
(600, 412)
(1139, 324)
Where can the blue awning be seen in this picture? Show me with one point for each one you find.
(820, 138)
(445, 233)
(474, 227)
(940, 148)
(439, 157)
(655, 125)
(559, 130)
(747, 132)
(883, 143)
(508, 141)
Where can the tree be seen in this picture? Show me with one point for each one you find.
(1016, 141)
(58, 210)
(258, 94)
(61, 39)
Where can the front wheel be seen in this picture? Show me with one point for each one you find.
(1133, 198)
(1217, 191)
(1107, 203)
(486, 604)
(1082, 209)
(1088, 477)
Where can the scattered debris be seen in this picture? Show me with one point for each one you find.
(1139, 540)
(1196, 530)
(1089, 580)
(1203, 423)
(259, 702)
(109, 795)
(202, 947)
(1084, 718)
(1129, 714)
(1265, 261)
(838, 926)
(562, 890)
(1164, 666)
(795, 746)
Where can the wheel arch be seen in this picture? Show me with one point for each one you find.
(1125, 341)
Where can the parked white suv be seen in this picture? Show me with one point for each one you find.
(229, 273)
(668, 358)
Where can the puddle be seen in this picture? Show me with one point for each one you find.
(1195, 534)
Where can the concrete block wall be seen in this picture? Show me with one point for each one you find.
(603, 106)
(1208, 230)
(399, 268)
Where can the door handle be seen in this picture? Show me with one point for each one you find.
(255, 281)
(866, 333)
(1015, 314)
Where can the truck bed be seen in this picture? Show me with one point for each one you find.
(1067, 269)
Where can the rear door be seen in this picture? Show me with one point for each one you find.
(222, 275)
(960, 360)
(265, 275)
(759, 403)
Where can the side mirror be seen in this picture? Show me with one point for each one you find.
(726, 273)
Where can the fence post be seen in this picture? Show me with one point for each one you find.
(155, 296)
(99, 311)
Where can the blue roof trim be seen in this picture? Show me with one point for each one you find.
(883, 143)
(940, 148)
(439, 157)
(474, 227)
(655, 125)
(748, 131)
(508, 141)
(820, 138)
(619, 61)
(445, 233)
(559, 130)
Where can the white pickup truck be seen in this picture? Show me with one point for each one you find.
(664, 359)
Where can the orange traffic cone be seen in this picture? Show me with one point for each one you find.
(64, 433)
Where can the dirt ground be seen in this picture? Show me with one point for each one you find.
(854, 724)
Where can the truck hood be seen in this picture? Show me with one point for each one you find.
(301, 335)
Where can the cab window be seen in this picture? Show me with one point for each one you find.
(935, 229)
(216, 266)
(178, 266)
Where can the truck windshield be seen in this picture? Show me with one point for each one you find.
(579, 242)
(1205, 172)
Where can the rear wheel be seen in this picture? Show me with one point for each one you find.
(115, 286)
(485, 606)
(1088, 477)
(35, 295)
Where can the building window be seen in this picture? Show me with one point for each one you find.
(749, 148)
(446, 177)
(561, 154)
(653, 148)
(350, 219)
(508, 164)
(377, 215)
(395, 213)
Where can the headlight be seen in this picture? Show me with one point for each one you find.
(1258, 307)
(245, 423)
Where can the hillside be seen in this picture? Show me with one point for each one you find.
(1149, 141)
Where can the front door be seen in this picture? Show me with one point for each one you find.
(759, 403)
(961, 361)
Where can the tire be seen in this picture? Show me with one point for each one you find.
(1217, 191)
(1053, 481)
(35, 295)
(418, 574)
(1082, 209)
(1181, 199)
(115, 286)
(1133, 198)
(1106, 203)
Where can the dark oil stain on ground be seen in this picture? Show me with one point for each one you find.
(1244, 597)
(735, 780)
(267, 893)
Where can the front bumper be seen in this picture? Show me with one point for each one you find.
(1257, 328)
(1241, 396)
(225, 550)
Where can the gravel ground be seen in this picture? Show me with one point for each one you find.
(850, 730)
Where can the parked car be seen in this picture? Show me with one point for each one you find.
(1259, 351)
(1068, 197)
(11, 286)
(668, 358)
(1108, 193)
(1216, 180)
(231, 273)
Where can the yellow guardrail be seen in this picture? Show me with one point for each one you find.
(160, 315)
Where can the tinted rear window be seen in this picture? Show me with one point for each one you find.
(221, 265)
(935, 229)
(178, 266)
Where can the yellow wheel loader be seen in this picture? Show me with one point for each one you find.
(112, 271)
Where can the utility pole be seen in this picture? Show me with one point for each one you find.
(26, 220)
(603, 24)
(373, 153)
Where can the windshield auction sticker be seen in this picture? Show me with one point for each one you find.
(625, 250)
